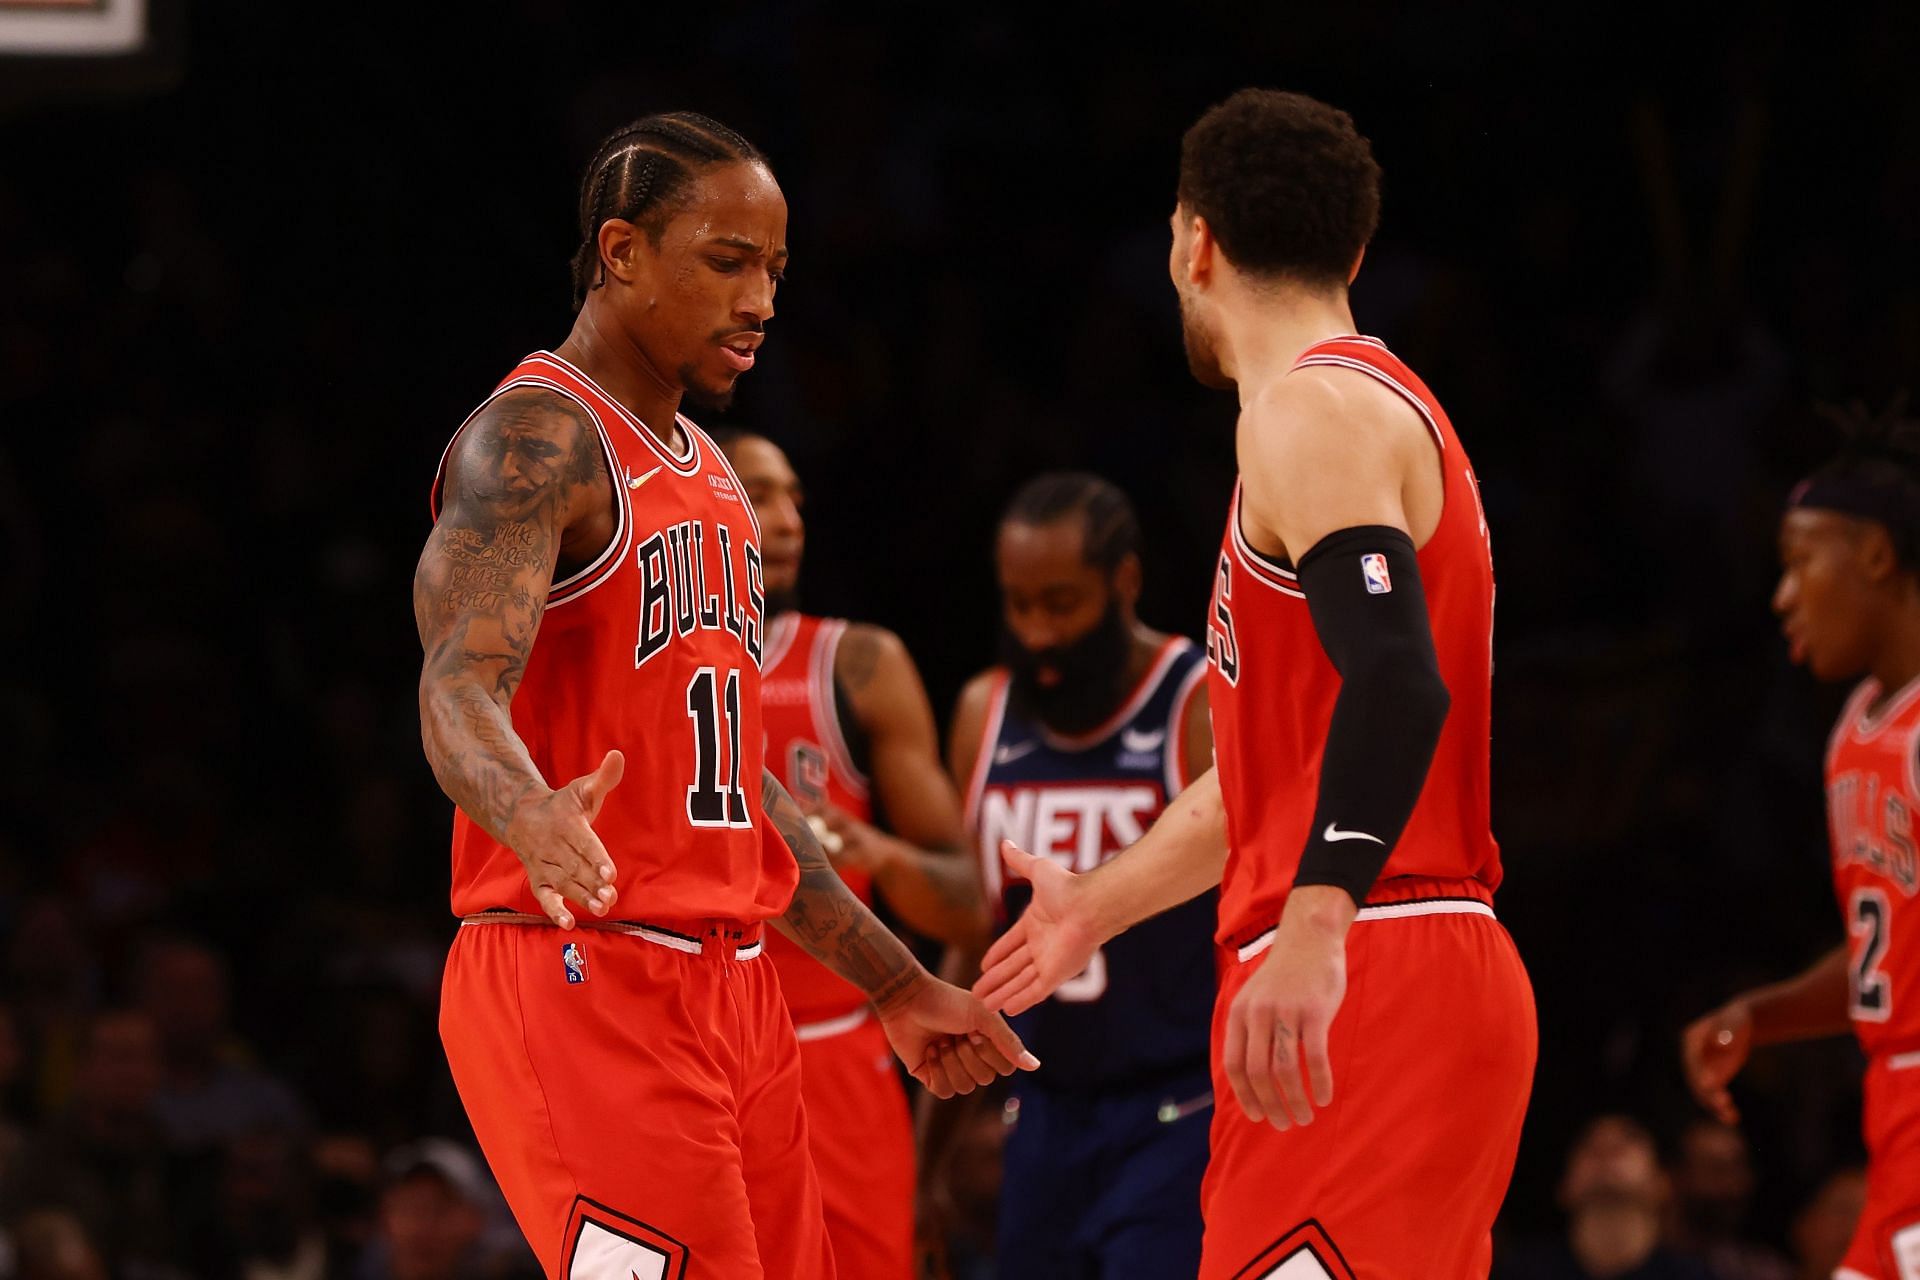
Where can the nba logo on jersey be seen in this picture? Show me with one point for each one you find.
(1379, 582)
(576, 961)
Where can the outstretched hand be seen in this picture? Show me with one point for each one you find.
(1053, 940)
(1712, 1051)
(554, 838)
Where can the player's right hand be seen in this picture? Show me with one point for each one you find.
(553, 835)
(1712, 1051)
(1053, 940)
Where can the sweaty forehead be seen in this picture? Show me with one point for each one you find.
(739, 203)
(1804, 524)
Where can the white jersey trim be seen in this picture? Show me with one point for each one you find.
(581, 581)
(826, 704)
(828, 1028)
(977, 784)
(1264, 571)
(1176, 762)
(686, 466)
(1388, 911)
(1903, 1061)
(1868, 724)
(780, 634)
(1361, 366)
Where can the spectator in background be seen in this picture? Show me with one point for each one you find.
(211, 1095)
(13, 1061)
(1712, 1176)
(439, 1220)
(265, 1225)
(346, 1172)
(50, 1244)
(104, 1159)
(1824, 1228)
(1615, 1196)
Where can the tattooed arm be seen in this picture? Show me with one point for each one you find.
(525, 476)
(921, 865)
(950, 1041)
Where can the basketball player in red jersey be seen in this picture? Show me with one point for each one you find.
(1374, 1023)
(593, 592)
(850, 735)
(1849, 598)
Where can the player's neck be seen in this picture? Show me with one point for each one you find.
(1897, 665)
(606, 353)
(1146, 647)
(1266, 330)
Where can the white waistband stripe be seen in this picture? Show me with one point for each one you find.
(830, 1027)
(1388, 911)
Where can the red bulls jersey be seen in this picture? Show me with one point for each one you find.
(808, 753)
(1273, 689)
(1873, 788)
(653, 648)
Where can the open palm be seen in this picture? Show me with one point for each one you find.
(1051, 941)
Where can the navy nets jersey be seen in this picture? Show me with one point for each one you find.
(1139, 1014)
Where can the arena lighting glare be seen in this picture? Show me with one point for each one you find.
(73, 28)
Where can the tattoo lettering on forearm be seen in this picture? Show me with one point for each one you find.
(832, 924)
(513, 477)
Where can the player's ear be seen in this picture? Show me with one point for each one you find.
(1200, 250)
(620, 244)
(1127, 579)
(1354, 272)
(1875, 553)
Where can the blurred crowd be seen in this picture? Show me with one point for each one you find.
(240, 316)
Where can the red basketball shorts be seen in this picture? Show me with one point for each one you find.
(1886, 1245)
(1402, 1176)
(861, 1133)
(638, 1098)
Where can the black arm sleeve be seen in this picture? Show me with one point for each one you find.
(1363, 590)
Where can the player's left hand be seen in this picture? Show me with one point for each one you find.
(854, 844)
(1286, 1009)
(951, 1042)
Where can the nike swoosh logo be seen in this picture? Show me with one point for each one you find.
(1013, 751)
(1333, 835)
(1141, 743)
(634, 481)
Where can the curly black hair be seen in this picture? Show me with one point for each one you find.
(1288, 186)
(1881, 455)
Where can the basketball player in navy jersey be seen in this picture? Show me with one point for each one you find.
(1076, 742)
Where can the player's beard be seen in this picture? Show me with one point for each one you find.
(1202, 359)
(1092, 670)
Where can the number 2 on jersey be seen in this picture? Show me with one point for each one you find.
(708, 804)
(1869, 916)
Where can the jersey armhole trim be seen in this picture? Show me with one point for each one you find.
(687, 465)
(825, 700)
(598, 569)
(989, 740)
(1179, 777)
(1263, 570)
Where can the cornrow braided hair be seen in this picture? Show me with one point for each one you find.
(1112, 528)
(1876, 474)
(641, 173)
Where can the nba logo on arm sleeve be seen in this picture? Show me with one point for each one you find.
(1374, 568)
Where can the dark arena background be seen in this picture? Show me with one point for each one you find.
(257, 261)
